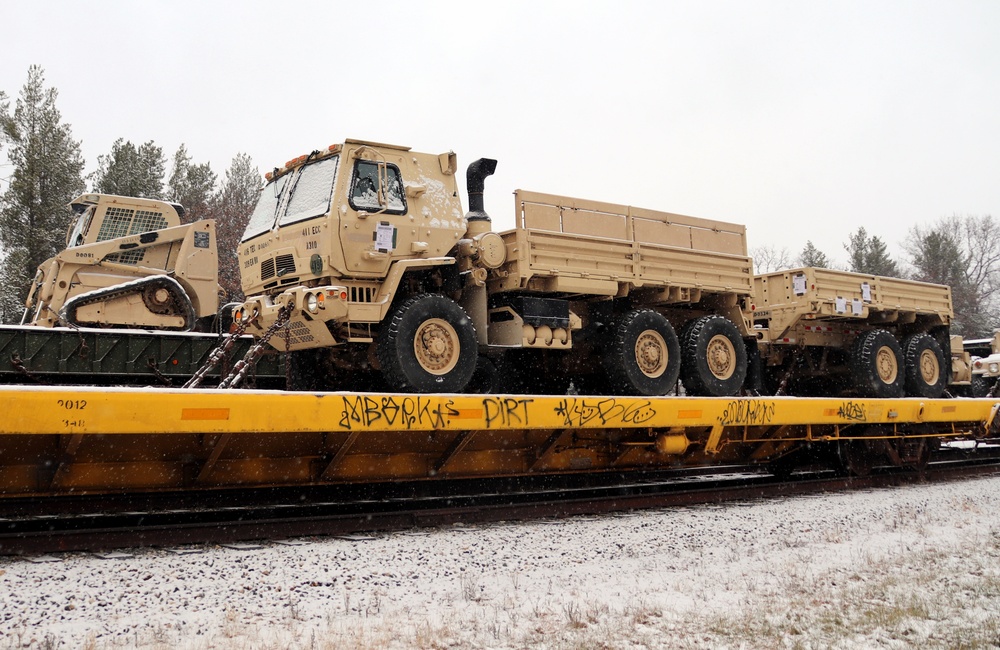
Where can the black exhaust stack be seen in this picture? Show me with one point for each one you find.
(475, 179)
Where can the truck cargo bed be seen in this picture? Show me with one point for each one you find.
(575, 246)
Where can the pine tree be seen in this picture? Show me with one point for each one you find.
(869, 254)
(812, 256)
(47, 175)
(231, 209)
(191, 185)
(131, 171)
(4, 117)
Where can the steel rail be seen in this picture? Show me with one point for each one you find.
(218, 523)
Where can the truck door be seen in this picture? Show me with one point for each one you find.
(375, 229)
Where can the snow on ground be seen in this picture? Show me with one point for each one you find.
(915, 566)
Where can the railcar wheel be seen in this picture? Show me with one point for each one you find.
(915, 455)
(643, 355)
(858, 457)
(428, 345)
(713, 357)
(925, 374)
(877, 365)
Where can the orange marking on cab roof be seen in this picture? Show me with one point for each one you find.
(204, 414)
(469, 414)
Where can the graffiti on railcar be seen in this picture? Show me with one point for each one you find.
(604, 411)
(407, 412)
(750, 412)
(852, 411)
(506, 411)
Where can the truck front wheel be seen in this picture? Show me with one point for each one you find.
(714, 358)
(428, 345)
(643, 356)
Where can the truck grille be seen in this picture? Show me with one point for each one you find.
(267, 268)
(363, 294)
(285, 263)
(280, 265)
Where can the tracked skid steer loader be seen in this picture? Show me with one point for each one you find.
(128, 262)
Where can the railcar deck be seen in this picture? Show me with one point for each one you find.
(59, 440)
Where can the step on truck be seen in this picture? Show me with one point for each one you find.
(366, 250)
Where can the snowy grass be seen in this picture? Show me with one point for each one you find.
(904, 568)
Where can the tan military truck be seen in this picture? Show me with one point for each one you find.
(984, 364)
(128, 262)
(365, 248)
(825, 332)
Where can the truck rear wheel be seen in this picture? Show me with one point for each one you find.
(877, 365)
(923, 360)
(643, 356)
(428, 345)
(714, 359)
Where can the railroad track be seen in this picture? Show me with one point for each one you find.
(102, 523)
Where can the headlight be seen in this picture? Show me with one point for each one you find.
(312, 303)
(994, 367)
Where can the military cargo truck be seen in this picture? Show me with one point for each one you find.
(128, 262)
(365, 249)
(822, 331)
(984, 362)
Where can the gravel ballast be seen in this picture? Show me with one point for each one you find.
(893, 568)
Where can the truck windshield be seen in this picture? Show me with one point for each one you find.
(267, 206)
(311, 193)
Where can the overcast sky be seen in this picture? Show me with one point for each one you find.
(802, 120)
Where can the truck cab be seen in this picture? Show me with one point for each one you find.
(361, 252)
(336, 231)
(349, 212)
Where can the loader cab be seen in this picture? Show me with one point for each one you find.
(100, 217)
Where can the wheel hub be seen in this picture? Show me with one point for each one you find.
(436, 346)
(651, 353)
(929, 370)
(886, 366)
(721, 357)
